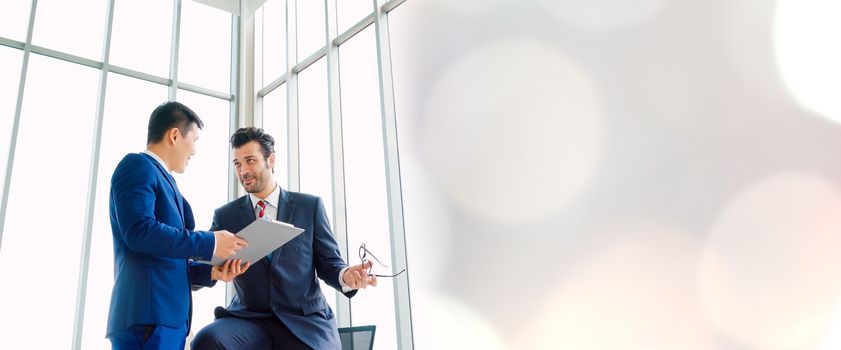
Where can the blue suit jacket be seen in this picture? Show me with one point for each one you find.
(153, 239)
(286, 287)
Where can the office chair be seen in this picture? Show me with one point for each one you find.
(357, 338)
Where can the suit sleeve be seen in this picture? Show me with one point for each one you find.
(200, 273)
(327, 259)
(134, 196)
(200, 276)
(215, 225)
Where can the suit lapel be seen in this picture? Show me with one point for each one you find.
(246, 211)
(286, 210)
(178, 199)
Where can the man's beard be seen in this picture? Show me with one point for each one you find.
(258, 184)
(256, 187)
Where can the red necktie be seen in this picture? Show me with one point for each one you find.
(262, 206)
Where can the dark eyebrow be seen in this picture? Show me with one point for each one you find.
(244, 158)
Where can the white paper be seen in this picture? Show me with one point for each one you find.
(263, 237)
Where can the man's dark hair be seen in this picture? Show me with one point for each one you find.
(170, 115)
(246, 135)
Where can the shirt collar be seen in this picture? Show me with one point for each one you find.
(273, 198)
(155, 157)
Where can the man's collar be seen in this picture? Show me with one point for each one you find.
(273, 198)
(156, 157)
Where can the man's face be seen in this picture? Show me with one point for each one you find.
(185, 147)
(253, 172)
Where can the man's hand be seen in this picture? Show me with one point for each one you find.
(229, 270)
(227, 244)
(357, 277)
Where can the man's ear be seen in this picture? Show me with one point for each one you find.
(270, 162)
(173, 134)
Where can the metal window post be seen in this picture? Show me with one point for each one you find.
(402, 304)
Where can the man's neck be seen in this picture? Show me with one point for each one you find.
(161, 152)
(267, 190)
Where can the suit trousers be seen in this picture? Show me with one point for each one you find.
(231, 332)
(149, 337)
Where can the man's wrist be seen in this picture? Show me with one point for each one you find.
(345, 287)
(214, 244)
(342, 277)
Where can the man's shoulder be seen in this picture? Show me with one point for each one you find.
(302, 196)
(137, 155)
(232, 206)
(134, 165)
(135, 159)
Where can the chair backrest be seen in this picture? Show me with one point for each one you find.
(357, 338)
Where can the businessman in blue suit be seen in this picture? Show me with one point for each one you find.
(154, 238)
(278, 302)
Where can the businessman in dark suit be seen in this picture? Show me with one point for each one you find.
(278, 302)
(154, 238)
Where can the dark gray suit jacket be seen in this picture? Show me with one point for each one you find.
(287, 287)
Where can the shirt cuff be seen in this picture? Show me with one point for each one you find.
(345, 287)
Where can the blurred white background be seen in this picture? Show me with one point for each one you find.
(619, 174)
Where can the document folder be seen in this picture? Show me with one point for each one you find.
(263, 236)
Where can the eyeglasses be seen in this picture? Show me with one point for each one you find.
(364, 253)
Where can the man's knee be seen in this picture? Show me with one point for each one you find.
(208, 339)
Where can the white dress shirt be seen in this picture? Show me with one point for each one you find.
(271, 200)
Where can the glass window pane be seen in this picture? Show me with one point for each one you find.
(367, 210)
(311, 30)
(351, 11)
(258, 49)
(10, 61)
(50, 171)
(81, 34)
(128, 104)
(141, 35)
(314, 128)
(205, 49)
(275, 123)
(205, 185)
(269, 43)
(14, 16)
